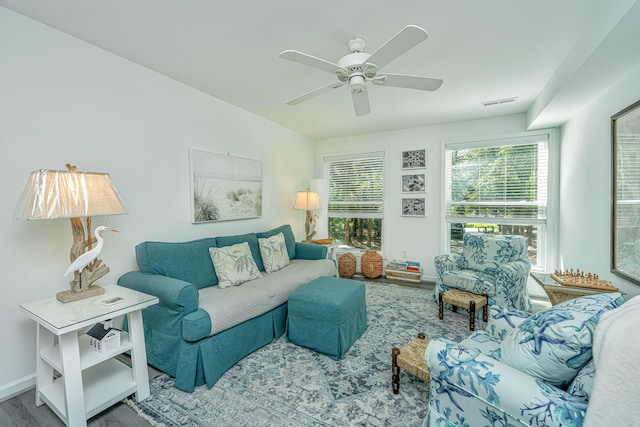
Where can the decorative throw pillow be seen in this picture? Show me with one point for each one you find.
(556, 343)
(582, 384)
(274, 253)
(234, 264)
(289, 238)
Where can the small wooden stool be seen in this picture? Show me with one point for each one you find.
(411, 359)
(468, 300)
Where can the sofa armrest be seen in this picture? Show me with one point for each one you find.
(310, 251)
(466, 384)
(503, 319)
(519, 269)
(447, 262)
(196, 325)
(174, 294)
(511, 283)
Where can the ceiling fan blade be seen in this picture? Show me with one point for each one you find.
(312, 61)
(407, 38)
(361, 102)
(314, 93)
(406, 81)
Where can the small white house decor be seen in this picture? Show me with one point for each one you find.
(102, 339)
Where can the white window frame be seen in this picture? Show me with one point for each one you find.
(347, 214)
(547, 250)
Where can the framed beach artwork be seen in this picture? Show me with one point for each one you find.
(414, 159)
(414, 207)
(224, 187)
(415, 183)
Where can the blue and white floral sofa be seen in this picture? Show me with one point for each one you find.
(495, 265)
(220, 298)
(525, 370)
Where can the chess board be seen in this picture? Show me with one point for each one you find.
(583, 282)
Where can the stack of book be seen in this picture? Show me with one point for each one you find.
(406, 271)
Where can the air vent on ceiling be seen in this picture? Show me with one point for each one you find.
(499, 101)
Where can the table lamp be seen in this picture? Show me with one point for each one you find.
(308, 201)
(52, 194)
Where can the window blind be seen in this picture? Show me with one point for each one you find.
(627, 180)
(501, 180)
(356, 185)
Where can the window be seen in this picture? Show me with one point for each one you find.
(498, 186)
(356, 199)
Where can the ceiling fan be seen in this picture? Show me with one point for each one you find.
(357, 68)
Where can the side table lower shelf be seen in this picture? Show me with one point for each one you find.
(88, 356)
(104, 385)
(403, 275)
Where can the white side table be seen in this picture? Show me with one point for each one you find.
(331, 254)
(90, 382)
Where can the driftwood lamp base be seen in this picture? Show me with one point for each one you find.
(70, 295)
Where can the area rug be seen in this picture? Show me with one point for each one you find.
(285, 385)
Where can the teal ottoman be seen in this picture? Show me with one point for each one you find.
(327, 315)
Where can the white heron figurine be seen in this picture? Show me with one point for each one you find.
(86, 258)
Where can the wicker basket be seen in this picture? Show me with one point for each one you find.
(371, 264)
(558, 295)
(347, 265)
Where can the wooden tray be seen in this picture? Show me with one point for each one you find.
(594, 284)
(322, 241)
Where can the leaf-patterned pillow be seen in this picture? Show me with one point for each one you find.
(274, 253)
(234, 264)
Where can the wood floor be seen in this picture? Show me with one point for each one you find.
(21, 411)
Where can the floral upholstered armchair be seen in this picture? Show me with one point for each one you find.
(525, 370)
(494, 265)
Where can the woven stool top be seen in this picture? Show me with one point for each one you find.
(461, 298)
(411, 358)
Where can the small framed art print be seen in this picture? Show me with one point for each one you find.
(413, 206)
(414, 159)
(415, 183)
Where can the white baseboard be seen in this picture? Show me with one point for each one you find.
(19, 386)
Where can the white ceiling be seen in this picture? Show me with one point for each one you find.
(548, 53)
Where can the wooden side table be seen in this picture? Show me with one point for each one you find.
(89, 381)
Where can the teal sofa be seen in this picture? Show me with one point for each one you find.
(199, 330)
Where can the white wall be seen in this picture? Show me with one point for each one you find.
(63, 100)
(420, 237)
(585, 182)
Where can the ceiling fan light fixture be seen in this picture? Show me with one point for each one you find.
(356, 82)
